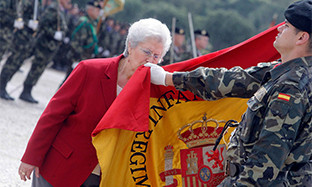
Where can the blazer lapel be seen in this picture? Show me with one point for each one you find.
(109, 82)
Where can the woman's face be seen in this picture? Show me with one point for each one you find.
(148, 51)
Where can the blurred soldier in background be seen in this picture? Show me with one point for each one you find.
(179, 48)
(201, 41)
(84, 42)
(50, 35)
(22, 43)
(60, 60)
(122, 39)
(114, 38)
(104, 36)
(8, 11)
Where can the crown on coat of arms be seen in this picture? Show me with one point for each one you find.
(169, 152)
(200, 132)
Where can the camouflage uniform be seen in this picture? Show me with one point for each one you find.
(179, 55)
(60, 60)
(114, 40)
(45, 47)
(122, 39)
(121, 44)
(104, 38)
(7, 14)
(22, 44)
(20, 48)
(84, 42)
(272, 146)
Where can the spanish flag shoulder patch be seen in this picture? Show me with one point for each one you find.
(284, 97)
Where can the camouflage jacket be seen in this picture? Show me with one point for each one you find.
(104, 37)
(28, 10)
(51, 18)
(8, 13)
(179, 55)
(84, 42)
(273, 142)
(113, 47)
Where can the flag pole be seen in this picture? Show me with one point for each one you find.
(172, 44)
(192, 35)
(35, 10)
(101, 17)
(58, 16)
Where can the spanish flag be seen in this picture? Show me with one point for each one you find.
(113, 6)
(159, 136)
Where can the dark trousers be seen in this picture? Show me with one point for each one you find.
(92, 181)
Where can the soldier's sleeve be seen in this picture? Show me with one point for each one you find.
(48, 21)
(212, 84)
(7, 12)
(106, 40)
(277, 134)
(28, 10)
(301, 177)
(78, 40)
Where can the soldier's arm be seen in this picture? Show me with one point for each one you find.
(28, 10)
(7, 12)
(212, 84)
(114, 42)
(48, 21)
(277, 136)
(78, 40)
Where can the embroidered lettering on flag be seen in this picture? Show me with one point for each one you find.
(284, 97)
(165, 137)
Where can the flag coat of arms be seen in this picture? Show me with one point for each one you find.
(159, 136)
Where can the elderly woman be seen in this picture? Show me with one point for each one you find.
(60, 150)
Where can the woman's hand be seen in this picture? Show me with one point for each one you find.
(25, 171)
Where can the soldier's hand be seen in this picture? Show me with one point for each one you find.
(33, 24)
(66, 40)
(100, 49)
(158, 74)
(58, 35)
(106, 53)
(19, 23)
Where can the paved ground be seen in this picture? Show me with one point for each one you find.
(18, 118)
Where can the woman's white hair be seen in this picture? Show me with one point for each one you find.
(145, 29)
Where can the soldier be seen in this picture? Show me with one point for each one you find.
(179, 49)
(7, 12)
(60, 60)
(201, 41)
(122, 40)
(272, 145)
(84, 42)
(48, 39)
(21, 46)
(104, 37)
(114, 38)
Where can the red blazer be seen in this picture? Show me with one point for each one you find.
(61, 144)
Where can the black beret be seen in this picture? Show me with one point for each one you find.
(94, 3)
(201, 32)
(299, 14)
(179, 31)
